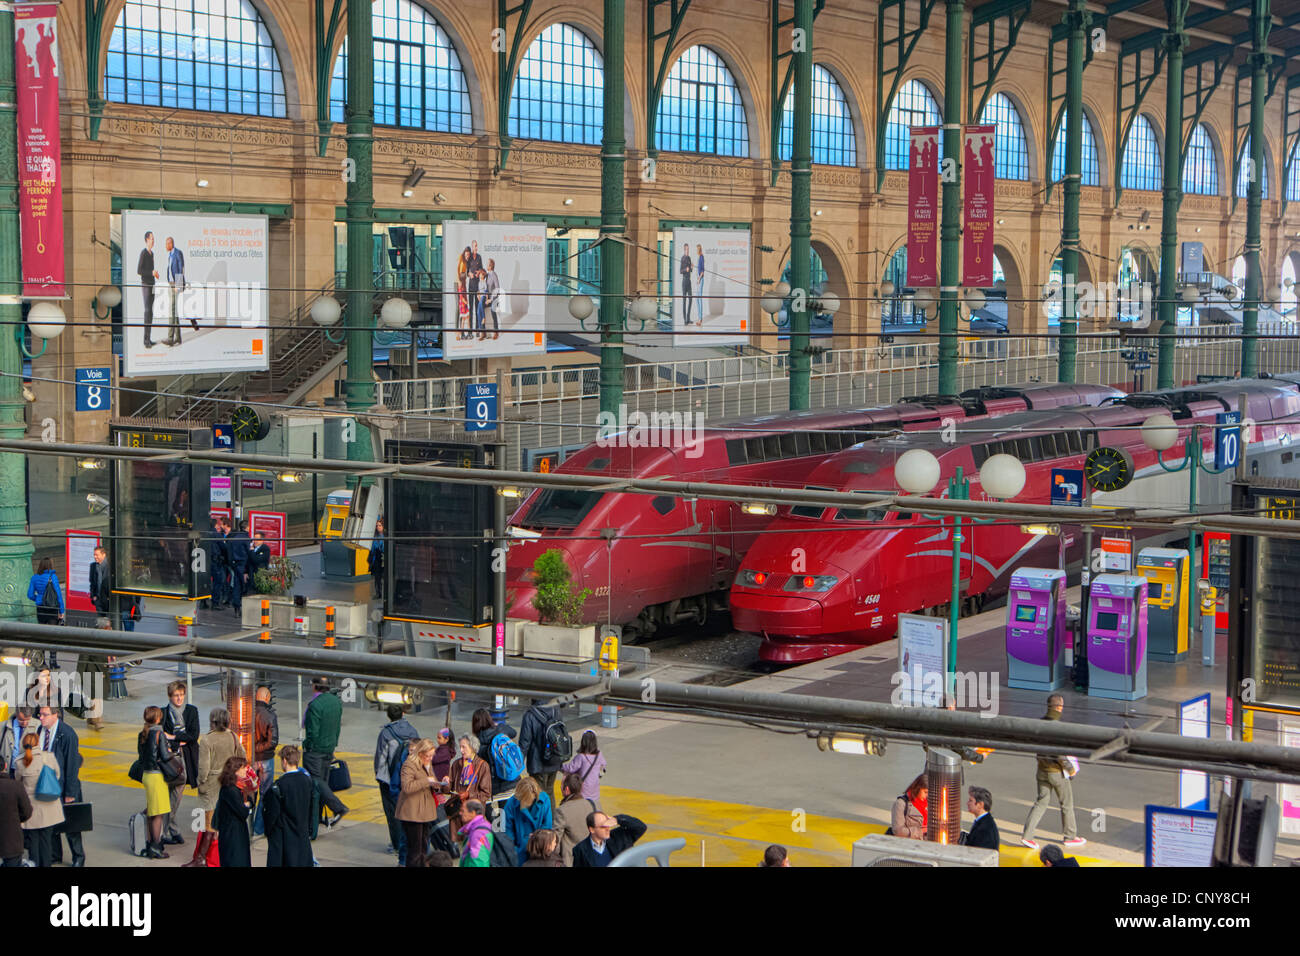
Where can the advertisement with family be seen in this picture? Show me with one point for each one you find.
(494, 288)
(711, 287)
(194, 293)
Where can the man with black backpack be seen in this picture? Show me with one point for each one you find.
(390, 754)
(545, 742)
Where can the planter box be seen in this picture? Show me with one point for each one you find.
(550, 642)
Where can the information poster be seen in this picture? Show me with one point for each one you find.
(1288, 794)
(194, 293)
(977, 182)
(1179, 837)
(40, 189)
(711, 290)
(220, 485)
(923, 207)
(1116, 554)
(80, 552)
(273, 524)
(494, 288)
(922, 659)
(1194, 785)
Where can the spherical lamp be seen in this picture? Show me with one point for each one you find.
(46, 320)
(916, 471)
(395, 313)
(782, 289)
(886, 289)
(644, 308)
(1159, 433)
(581, 306)
(326, 310)
(975, 299)
(109, 296)
(827, 303)
(1002, 476)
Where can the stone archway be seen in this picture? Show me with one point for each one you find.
(1014, 291)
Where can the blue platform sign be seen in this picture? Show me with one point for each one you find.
(1067, 487)
(223, 437)
(480, 408)
(1227, 441)
(94, 389)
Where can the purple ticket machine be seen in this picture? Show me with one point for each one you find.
(1036, 629)
(1117, 637)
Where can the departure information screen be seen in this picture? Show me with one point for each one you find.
(1273, 646)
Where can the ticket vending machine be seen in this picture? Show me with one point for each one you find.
(1117, 637)
(1169, 588)
(1036, 632)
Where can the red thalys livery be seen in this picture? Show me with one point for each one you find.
(671, 555)
(825, 581)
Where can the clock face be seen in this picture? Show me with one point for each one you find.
(246, 423)
(1108, 469)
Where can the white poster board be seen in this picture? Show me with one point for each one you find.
(1116, 554)
(207, 294)
(494, 288)
(711, 291)
(1179, 837)
(1288, 794)
(922, 659)
(1194, 721)
(81, 554)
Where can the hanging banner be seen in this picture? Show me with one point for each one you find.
(977, 234)
(494, 289)
(40, 193)
(711, 292)
(923, 208)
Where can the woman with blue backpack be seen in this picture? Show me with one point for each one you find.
(503, 755)
(44, 591)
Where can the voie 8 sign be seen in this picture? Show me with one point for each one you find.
(94, 389)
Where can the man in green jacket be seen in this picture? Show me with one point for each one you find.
(321, 725)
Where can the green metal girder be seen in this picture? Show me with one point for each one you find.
(1061, 34)
(995, 55)
(95, 10)
(780, 90)
(1175, 47)
(1241, 97)
(432, 216)
(1290, 130)
(270, 210)
(656, 63)
(507, 63)
(326, 33)
(559, 221)
(668, 225)
(904, 42)
(1216, 59)
(1136, 89)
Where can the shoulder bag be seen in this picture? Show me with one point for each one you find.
(47, 785)
(170, 762)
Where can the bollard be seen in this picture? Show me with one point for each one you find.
(266, 614)
(329, 626)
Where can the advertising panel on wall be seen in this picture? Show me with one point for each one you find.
(194, 290)
(494, 288)
(977, 235)
(40, 193)
(711, 289)
(923, 207)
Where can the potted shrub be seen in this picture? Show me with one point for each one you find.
(278, 576)
(559, 633)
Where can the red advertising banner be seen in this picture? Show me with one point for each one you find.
(40, 193)
(977, 234)
(923, 207)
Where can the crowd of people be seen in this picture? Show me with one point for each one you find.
(233, 560)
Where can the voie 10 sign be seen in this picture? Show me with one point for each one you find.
(1227, 441)
(480, 408)
(94, 389)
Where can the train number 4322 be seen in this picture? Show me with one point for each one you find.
(602, 591)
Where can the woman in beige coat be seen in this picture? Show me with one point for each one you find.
(215, 748)
(46, 814)
(417, 807)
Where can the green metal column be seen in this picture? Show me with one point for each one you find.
(1175, 41)
(801, 205)
(1259, 63)
(950, 226)
(15, 545)
(613, 215)
(1076, 20)
(360, 119)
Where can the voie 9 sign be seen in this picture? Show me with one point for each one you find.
(480, 408)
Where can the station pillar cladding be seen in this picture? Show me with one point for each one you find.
(15, 545)
(1260, 22)
(801, 207)
(1175, 42)
(1076, 20)
(950, 224)
(613, 214)
(360, 118)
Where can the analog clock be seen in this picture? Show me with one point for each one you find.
(1108, 469)
(248, 425)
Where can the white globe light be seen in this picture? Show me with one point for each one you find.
(1274, 293)
(395, 313)
(828, 303)
(581, 306)
(1234, 292)
(886, 289)
(1003, 476)
(782, 289)
(1159, 433)
(644, 308)
(924, 299)
(1190, 293)
(770, 304)
(975, 299)
(326, 310)
(916, 471)
(46, 320)
(109, 296)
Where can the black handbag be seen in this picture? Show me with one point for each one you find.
(77, 818)
(136, 772)
(339, 776)
(170, 762)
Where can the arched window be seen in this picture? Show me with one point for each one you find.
(833, 140)
(1243, 173)
(1201, 170)
(1141, 166)
(419, 82)
(913, 106)
(700, 110)
(1089, 165)
(1010, 155)
(194, 54)
(819, 323)
(1293, 174)
(1287, 304)
(559, 91)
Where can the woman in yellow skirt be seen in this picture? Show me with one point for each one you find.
(154, 750)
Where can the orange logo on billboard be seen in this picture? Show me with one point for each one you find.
(257, 346)
(544, 464)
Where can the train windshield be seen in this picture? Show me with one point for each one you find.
(810, 511)
(861, 514)
(561, 508)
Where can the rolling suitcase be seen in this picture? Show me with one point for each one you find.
(138, 829)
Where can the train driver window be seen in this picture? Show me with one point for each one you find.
(663, 504)
(810, 511)
(901, 516)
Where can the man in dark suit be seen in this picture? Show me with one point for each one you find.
(292, 804)
(984, 831)
(15, 810)
(608, 837)
(148, 275)
(237, 546)
(100, 588)
(259, 558)
(61, 740)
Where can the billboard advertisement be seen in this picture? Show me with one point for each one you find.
(40, 193)
(711, 286)
(194, 293)
(923, 208)
(977, 236)
(494, 288)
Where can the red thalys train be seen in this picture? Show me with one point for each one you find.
(673, 556)
(825, 581)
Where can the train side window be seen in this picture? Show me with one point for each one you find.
(1286, 457)
(663, 504)
(771, 447)
(789, 447)
(754, 450)
(736, 451)
(817, 443)
(1025, 449)
(801, 445)
(981, 454)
